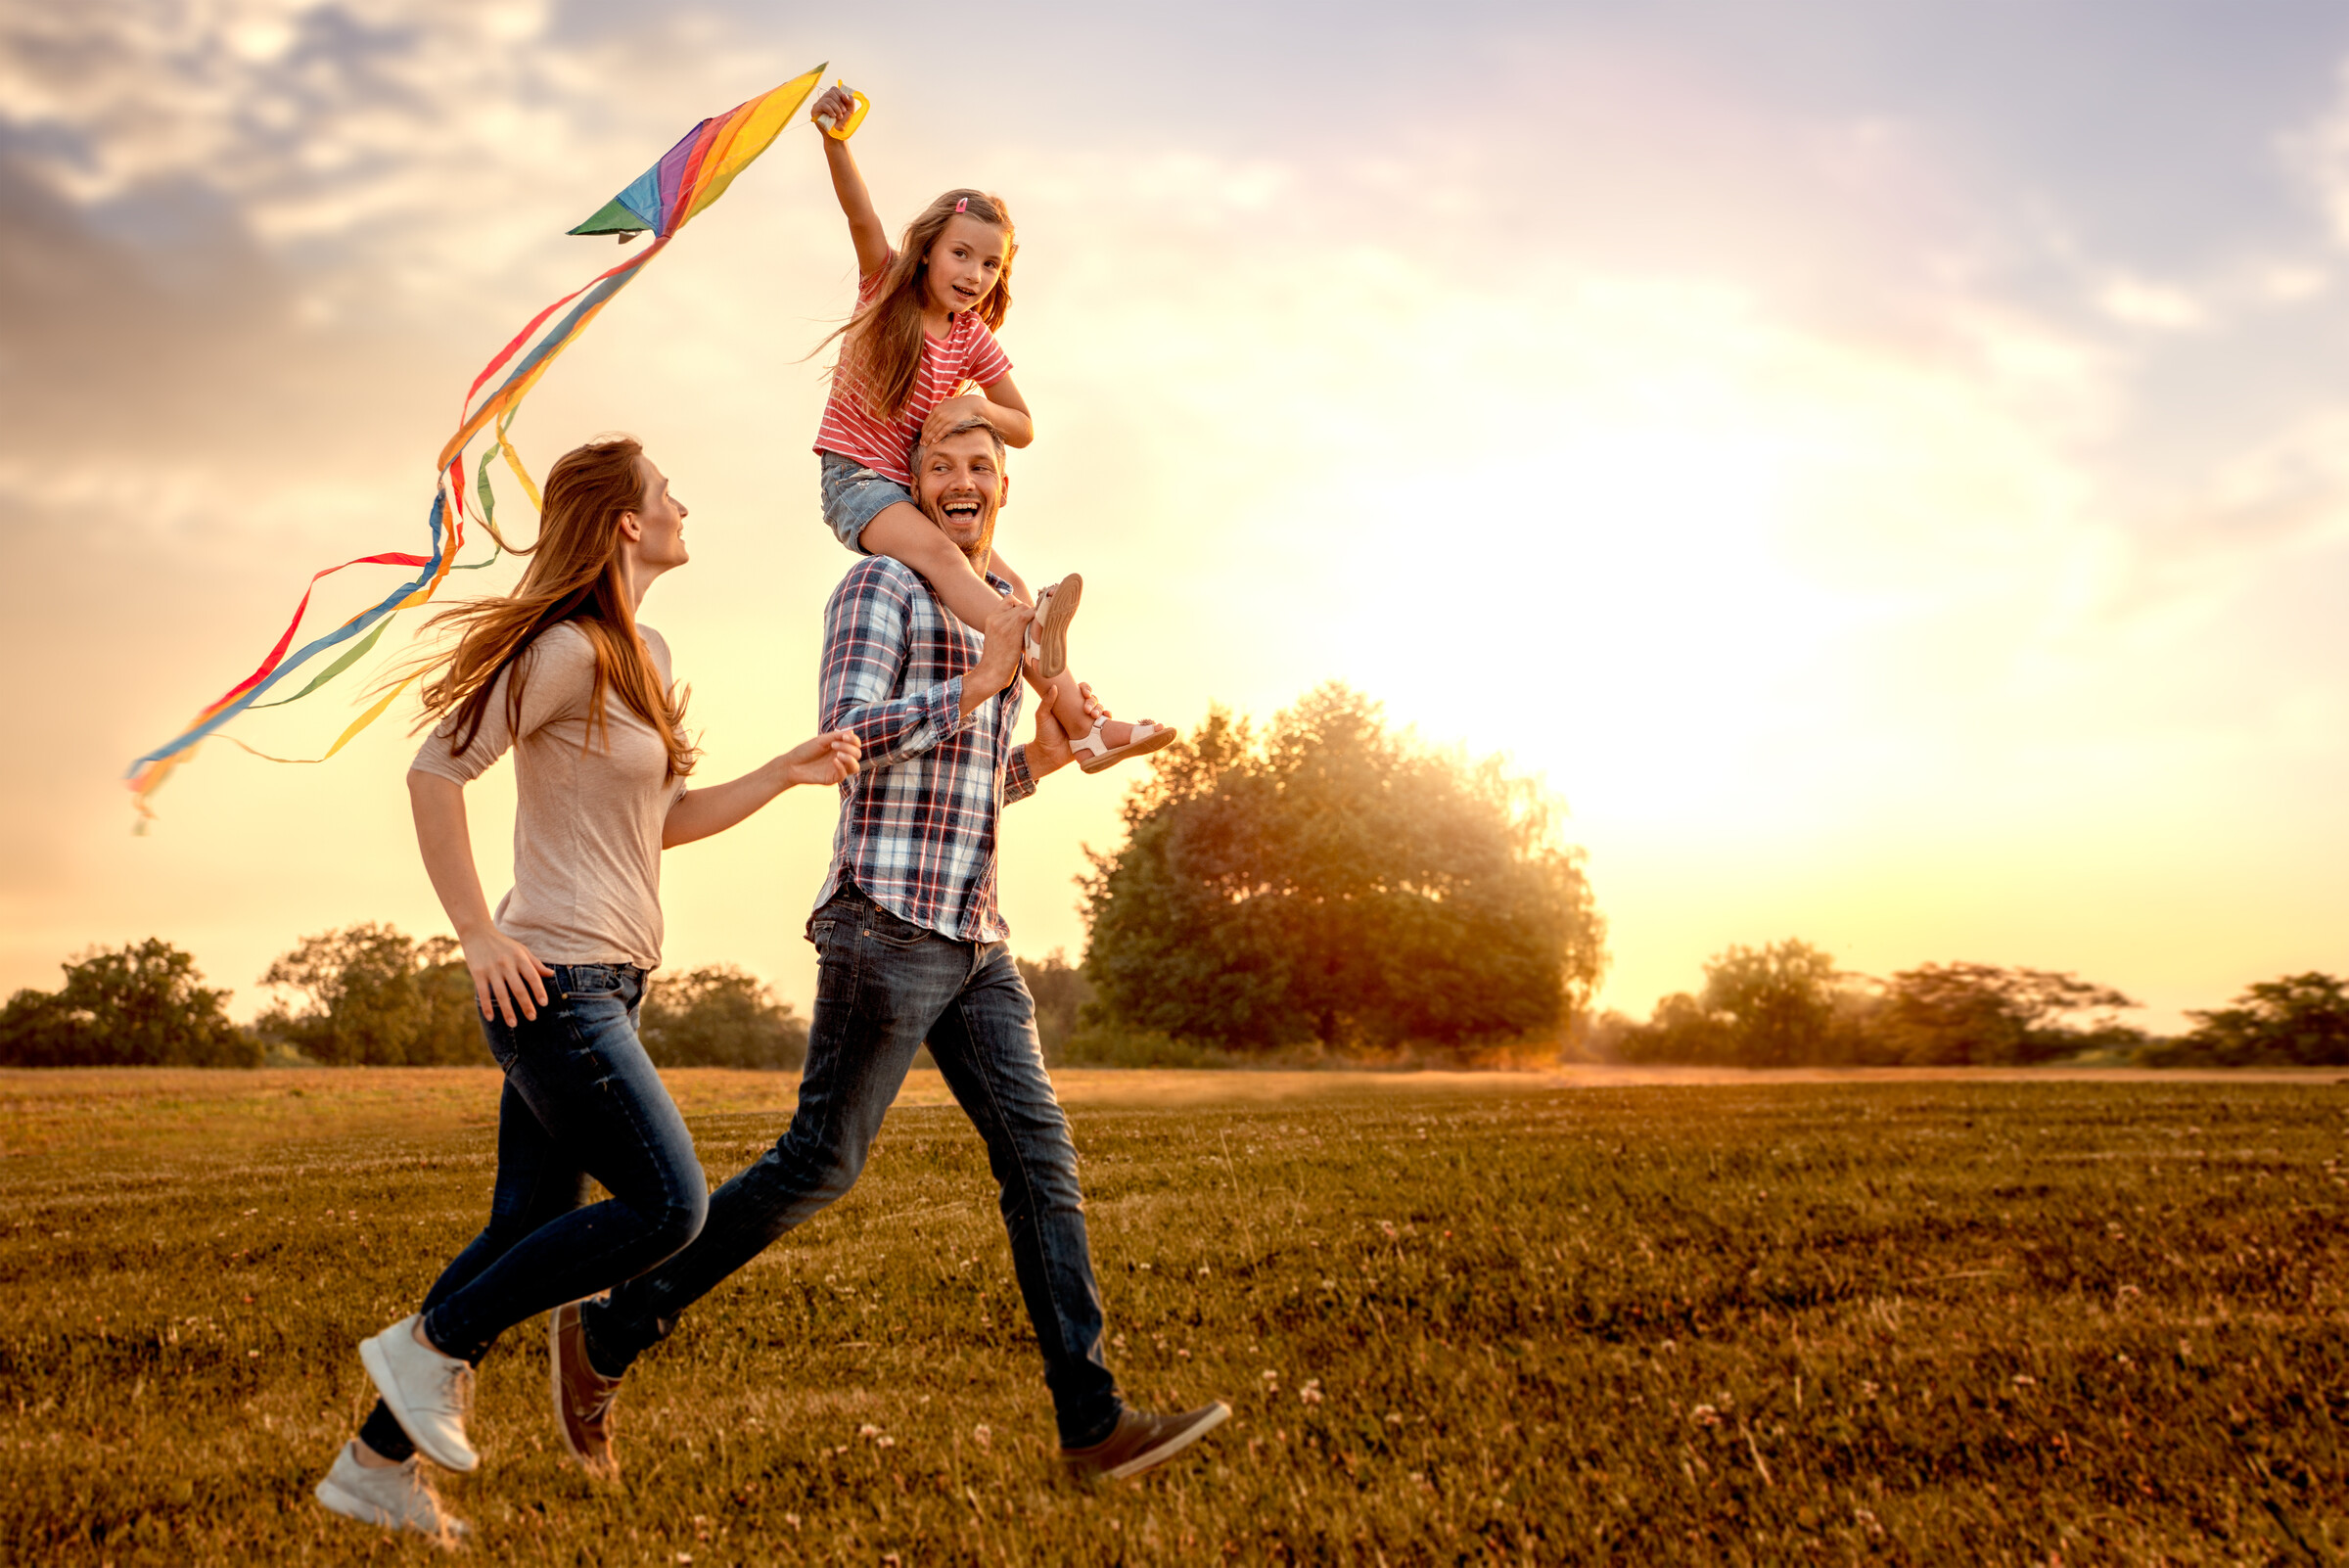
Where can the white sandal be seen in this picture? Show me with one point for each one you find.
(1049, 633)
(1093, 754)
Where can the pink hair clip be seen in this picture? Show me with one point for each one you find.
(963, 204)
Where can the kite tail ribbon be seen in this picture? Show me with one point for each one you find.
(662, 200)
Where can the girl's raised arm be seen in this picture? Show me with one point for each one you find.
(865, 224)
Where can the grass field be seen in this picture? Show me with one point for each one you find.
(1496, 1319)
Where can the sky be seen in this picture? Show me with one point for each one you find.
(1883, 465)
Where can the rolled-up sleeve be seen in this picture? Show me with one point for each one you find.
(867, 633)
(1018, 782)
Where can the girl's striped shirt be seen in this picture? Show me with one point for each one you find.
(968, 353)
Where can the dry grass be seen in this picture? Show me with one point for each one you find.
(1505, 1318)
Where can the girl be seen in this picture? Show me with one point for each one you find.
(562, 671)
(920, 333)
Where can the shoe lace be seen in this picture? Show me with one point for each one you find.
(460, 1389)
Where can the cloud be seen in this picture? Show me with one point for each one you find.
(2318, 152)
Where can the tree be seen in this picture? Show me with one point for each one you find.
(1333, 882)
(374, 996)
(1680, 1029)
(2296, 1021)
(1776, 1001)
(1061, 992)
(1980, 1015)
(1786, 1004)
(143, 1005)
(1782, 1004)
(720, 1017)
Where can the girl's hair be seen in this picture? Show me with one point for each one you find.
(575, 575)
(881, 345)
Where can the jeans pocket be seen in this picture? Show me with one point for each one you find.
(884, 926)
(590, 982)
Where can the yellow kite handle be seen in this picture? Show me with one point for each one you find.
(841, 133)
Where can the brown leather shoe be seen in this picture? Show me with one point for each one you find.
(583, 1397)
(1143, 1442)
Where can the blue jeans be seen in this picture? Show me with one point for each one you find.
(884, 987)
(582, 1100)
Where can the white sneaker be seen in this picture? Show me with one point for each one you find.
(428, 1392)
(396, 1496)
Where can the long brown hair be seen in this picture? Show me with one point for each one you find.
(881, 345)
(575, 575)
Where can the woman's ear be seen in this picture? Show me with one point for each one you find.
(631, 528)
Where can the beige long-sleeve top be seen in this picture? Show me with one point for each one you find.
(587, 815)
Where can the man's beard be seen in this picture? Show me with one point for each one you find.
(980, 553)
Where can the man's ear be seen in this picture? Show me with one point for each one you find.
(1003, 489)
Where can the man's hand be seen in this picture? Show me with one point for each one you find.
(1050, 751)
(999, 659)
(827, 758)
(951, 411)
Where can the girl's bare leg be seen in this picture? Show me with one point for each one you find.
(903, 533)
(1061, 691)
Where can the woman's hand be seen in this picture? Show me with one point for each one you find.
(505, 972)
(827, 758)
(835, 104)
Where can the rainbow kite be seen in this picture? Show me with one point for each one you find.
(661, 200)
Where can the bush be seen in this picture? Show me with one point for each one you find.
(1107, 1045)
(143, 1005)
(1788, 1005)
(2297, 1021)
(1979, 1015)
(374, 996)
(720, 1017)
(1061, 993)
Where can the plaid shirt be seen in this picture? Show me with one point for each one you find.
(917, 823)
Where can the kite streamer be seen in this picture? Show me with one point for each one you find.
(659, 202)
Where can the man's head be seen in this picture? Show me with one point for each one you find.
(959, 481)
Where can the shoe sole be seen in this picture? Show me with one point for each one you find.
(1152, 1458)
(1115, 754)
(1053, 636)
(350, 1505)
(377, 1368)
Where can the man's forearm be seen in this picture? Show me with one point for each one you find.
(893, 728)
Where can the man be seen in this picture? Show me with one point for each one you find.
(911, 949)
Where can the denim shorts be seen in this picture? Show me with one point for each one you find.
(854, 495)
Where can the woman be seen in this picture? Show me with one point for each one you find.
(561, 671)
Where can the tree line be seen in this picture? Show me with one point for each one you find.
(1786, 1004)
(365, 995)
(1321, 887)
